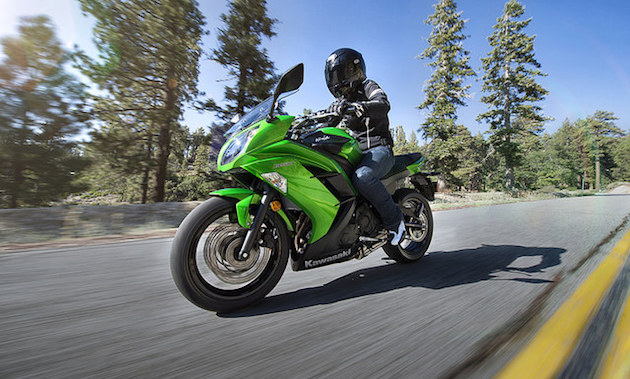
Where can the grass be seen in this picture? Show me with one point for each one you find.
(453, 200)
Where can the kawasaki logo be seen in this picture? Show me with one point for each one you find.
(332, 258)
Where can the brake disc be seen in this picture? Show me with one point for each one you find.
(221, 255)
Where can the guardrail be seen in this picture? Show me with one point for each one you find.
(44, 224)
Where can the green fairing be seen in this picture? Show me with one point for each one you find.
(414, 168)
(247, 198)
(267, 133)
(237, 193)
(268, 151)
(303, 189)
(242, 210)
(350, 150)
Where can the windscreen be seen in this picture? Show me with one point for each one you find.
(256, 114)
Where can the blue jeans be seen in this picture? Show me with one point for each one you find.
(376, 163)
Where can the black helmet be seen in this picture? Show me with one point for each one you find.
(344, 71)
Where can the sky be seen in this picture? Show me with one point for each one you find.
(582, 46)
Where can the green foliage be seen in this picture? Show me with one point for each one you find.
(460, 159)
(569, 155)
(249, 68)
(196, 175)
(42, 108)
(445, 90)
(194, 178)
(239, 51)
(509, 81)
(601, 127)
(147, 69)
(471, 156)
(621, 155)
(401, 145)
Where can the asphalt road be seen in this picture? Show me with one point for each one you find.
(113, 311)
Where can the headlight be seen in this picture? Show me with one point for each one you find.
(237, 145)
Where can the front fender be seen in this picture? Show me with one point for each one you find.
(247, 198)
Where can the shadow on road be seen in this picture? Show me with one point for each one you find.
(436, 270)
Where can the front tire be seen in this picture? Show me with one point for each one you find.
(204, 261)
(418, 229)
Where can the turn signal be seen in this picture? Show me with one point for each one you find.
(276, 205)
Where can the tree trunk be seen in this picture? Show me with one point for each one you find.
(585, 181)
(509, 170)
(147, 169)
(164, 143)
(18, 180)
(597, 175)
(441, 183)
(509, 177)
(163, 151)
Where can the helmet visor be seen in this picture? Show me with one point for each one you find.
(336, 75)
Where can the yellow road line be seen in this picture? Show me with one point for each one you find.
(552, 346)
(617, 364)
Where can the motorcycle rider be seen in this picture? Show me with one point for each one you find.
(369, 125)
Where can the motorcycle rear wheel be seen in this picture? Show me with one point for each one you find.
(418, 229)
(204, 261)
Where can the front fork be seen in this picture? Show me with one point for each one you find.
(252, 233)
(246, 198)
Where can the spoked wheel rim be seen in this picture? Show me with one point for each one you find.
(214, 262)
(418, 228)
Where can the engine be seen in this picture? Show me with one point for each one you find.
(364, 223)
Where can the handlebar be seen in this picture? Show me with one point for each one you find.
(310, 121)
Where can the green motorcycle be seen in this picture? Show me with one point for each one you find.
(297, 202)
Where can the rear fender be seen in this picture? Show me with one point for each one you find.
(424, 185)
(246, 198)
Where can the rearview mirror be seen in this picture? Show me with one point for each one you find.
(290, 81)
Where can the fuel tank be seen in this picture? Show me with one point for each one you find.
(334, 141)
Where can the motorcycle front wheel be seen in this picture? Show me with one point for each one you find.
(204, 257)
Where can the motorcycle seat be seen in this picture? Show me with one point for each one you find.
(401, 162)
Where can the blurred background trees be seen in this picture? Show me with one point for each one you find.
(247, 63)
(42, 108)
(139, 149)
(147, 69)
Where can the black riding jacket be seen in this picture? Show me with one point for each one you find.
(372, 129)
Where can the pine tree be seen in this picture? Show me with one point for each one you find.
(248, 65)
(401, 145)
(564, 146)
(400, 140)
(413, 143)
(41, 108)
(621, 154)
(583, 143)
(470, 156)
(445, 90)
(600, 126)
(148, 67)
(509, 82)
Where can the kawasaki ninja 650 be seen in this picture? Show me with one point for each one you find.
(297, 202)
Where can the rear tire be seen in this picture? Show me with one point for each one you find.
(204, 264)
(418, 229)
